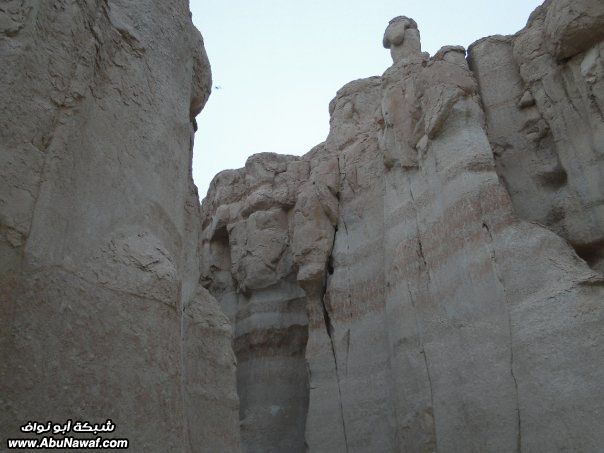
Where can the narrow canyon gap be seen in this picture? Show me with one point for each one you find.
(427, 279)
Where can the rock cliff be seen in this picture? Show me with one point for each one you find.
(101, 314)
(429, 277)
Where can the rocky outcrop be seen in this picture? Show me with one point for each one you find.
(428, 278)
(101, 314)
(542, 92)
(248, 264)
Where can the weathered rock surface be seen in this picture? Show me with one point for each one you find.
(428, 278)
(248, 264)
(101, 314)
(543, 95)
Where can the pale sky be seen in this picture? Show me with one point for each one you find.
(276, 64)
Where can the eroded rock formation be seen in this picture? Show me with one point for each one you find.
(101, 314)
(543, 95)
(428, 278)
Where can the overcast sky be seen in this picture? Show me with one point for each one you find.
(276, 64)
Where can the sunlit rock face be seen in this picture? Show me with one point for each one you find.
(428, 278)
(101, 312)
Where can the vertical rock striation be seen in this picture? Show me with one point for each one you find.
(427, 279)
(543, 91)
(100, 223)
(442, 247)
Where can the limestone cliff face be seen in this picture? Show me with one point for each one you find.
(543, 95)
(428, 278)
(101, 314)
